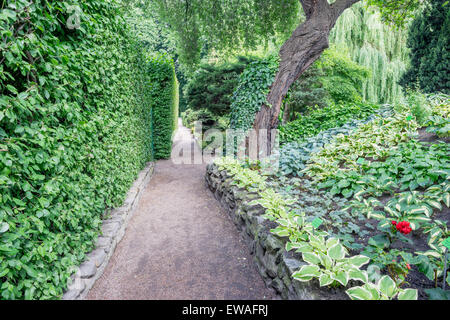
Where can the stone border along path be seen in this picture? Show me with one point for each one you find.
(179, 244)
(113, 229)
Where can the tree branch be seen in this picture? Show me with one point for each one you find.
(340, 5)
(312, 6)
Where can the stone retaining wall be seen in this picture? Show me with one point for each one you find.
(113, 228)
(274, 263)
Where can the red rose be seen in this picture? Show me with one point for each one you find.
(394, 222)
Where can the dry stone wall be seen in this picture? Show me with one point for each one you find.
(273, 262)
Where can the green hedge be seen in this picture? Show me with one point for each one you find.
(163, 87)
(75, 129)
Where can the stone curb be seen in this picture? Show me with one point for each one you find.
(112, 231)
(273, 262)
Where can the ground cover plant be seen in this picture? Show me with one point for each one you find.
(378, 194)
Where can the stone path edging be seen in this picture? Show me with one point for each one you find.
(112, 231)
(274, 263)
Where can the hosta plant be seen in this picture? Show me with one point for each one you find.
(328, 261)
(384, 289)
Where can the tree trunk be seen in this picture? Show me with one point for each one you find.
(305, 46)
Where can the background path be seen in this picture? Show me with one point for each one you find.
(180, 244)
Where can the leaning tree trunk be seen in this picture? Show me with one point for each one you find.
(306, 44)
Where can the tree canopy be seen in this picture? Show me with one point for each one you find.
(228, 24)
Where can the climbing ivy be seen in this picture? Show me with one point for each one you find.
(75, 129)
(251, 92)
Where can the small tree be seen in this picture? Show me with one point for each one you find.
(429, 42)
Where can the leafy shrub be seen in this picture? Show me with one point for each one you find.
(344, 78)
(333, 79)
(163, 86)
(317, 120)
(212, 86)
(294, 155)
(75, 129)
(206, 117)
(251, 92)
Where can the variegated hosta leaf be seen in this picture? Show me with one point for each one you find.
(356, 274)
(306, 273)
(325, 280)
(336, 252)
(303, 247)
(331, 242)
(359, 260)
(359, 293)
(326, 261)
(387, 286)
(408, 294)
(341, 277)
(311, 258)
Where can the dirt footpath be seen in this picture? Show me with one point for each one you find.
(180, 244)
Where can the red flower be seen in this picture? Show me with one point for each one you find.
(403, 227)
(408, 266)
(394, 222)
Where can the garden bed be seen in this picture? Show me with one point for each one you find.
(273, 262)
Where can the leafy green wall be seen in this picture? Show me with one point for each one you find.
(164, 96)
(75, 130)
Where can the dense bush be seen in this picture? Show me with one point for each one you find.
(317, 120)
(428, 39)
(212, 86)
(251, 92)
(334, 78)
(164, 102)
(294, 155)
(75, 129)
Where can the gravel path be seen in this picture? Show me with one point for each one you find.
(180, 244)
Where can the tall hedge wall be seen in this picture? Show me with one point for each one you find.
(163, 87)
(75, 129)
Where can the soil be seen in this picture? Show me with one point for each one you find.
(180, 244)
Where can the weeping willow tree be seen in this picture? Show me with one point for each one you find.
(377, 46)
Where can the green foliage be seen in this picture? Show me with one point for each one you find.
(75, 129)
(344, 78)
(212, 86)
(226, 25)
(163, 87)
(317, 120)
(429, 42)
(334, 78)
(251, 92)
(385, 289)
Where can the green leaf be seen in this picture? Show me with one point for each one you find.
(4, 227)
(325, 280)
(408, 294)
(359, 260)
(306, 273)
(359, 293)
(336, 252)
(311, 258)
(340, 276)
(358, 275)
(387, 286)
